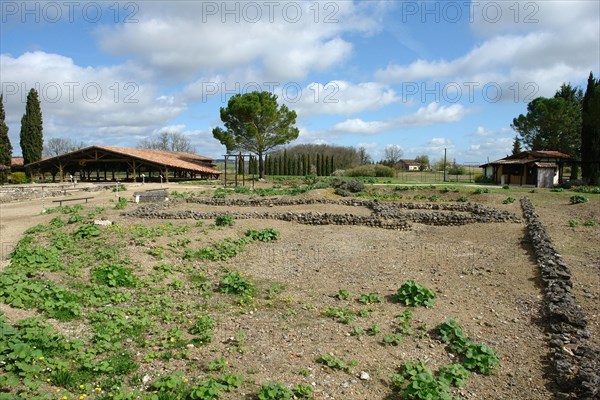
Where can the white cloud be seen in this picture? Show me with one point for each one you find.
(492, 148)
(343, 98)
(432, 114)
(546, 53)
(357, 126)
(101, 104)
(284, 39)
(484, 132)
(368, 145)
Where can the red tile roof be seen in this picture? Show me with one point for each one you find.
(175, 159)
(169, 159)
(17, 161)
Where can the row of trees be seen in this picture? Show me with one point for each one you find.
(569, 122)
(299, 164)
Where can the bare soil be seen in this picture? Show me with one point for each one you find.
(484, 275)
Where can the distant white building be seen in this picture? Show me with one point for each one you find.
(409, 165)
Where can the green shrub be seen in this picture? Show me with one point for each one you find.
(382, 171)
(573, 223)
(371, 170)
(347, 186)
(508, 200)
(590, 222)
(18, 178)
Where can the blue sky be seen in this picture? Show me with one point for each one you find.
(420, 75)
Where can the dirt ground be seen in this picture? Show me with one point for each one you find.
(483, 274)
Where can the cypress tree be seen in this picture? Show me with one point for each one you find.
(5, 146)
(293, 166)
(332, 165)
(254, 165)
(32, 139)
(304, 165)
(240, 165)
(318, 164)
(298, 165)
(269, 165)
(590, 132)
(285, 160)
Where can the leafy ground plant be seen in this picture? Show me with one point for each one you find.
(234, 283)
(476, 357)
(508, 200)
(578, 199)
(274, 391)
(415, 381)
(413, 295)
(333, 362)
(224, 220)
(203, 329)
(369, 298)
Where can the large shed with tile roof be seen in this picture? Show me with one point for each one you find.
(108, 163)
(540, 168)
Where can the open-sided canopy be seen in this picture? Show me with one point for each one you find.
(103, 157)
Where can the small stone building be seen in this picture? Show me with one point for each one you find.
(539, 168)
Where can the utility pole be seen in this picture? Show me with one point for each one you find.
(444, 164)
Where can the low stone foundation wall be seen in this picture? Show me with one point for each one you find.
(576, 364)
(388, 215)
(31, 192)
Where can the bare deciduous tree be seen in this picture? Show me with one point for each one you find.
(57, 146)
(392, 154)
(168, 141)
(365, 158)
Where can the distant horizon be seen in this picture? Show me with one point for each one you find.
(425, 76)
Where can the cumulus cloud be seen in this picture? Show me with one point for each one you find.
(545, 53)
(432, 114)
(343, 98)
(93, 103)
(484, 132)
(284, 39)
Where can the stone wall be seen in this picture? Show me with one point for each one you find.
(389, 215)
(577, 365)
(30, 192)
